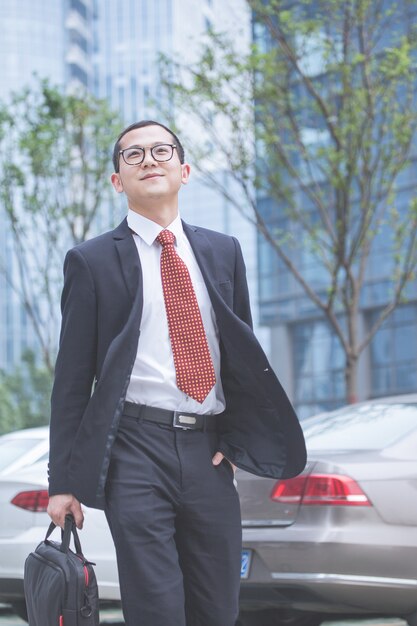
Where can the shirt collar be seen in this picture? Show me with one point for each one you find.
(148, 230)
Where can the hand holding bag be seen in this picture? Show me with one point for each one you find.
(60, 585)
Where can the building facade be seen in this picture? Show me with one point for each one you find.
(35, 42)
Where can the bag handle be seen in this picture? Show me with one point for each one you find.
(69, 528)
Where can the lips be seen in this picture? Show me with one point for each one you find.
(151, 176)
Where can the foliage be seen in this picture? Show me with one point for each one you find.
(24, 395)
(55, 155)
(319, 115)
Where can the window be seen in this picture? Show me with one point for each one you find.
(319, 368)
(77, 72)
(76, 38)
(393, 352)
(80, 7)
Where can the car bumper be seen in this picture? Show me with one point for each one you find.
(329, 574)
(11, 589)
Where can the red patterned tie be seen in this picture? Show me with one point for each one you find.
(192, 360)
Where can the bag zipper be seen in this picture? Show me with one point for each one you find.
(86, 575)
(85, 568)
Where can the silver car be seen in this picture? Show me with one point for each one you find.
(341, 539)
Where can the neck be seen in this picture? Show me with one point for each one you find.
(163, 215)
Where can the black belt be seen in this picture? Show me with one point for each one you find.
(176, 419)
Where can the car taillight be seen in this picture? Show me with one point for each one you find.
(320, 489)
(35, 501)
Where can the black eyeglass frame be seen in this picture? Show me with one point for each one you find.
(171, 145)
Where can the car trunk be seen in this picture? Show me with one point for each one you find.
(387, 480)
(258, 509)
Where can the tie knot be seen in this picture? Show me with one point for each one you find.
(165, 238)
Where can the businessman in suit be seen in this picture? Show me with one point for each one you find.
(160, 390)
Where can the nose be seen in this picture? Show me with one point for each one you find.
(148, 158)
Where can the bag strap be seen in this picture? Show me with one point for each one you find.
(69, 528)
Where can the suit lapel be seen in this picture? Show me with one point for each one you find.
(132, 270)
(204, 254)
(129, 258)
(205, 257)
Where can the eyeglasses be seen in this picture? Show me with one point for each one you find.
(135, 156)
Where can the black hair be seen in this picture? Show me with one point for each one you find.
(142, 124)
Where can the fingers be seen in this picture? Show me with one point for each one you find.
(218, 458)
(60, 505)
(77, 512)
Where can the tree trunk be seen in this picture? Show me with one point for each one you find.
(351, 379)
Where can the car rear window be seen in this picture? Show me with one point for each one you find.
(364, 427)
(13, 449)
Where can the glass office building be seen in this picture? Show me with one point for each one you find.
(52, 42)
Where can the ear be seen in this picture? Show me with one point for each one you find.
(185, 173)
(117, 182)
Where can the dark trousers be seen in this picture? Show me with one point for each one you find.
(175, 522)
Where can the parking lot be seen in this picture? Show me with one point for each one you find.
(113, 616)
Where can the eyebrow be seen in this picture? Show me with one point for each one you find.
(157, 143)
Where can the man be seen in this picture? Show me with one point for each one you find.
(161, 386)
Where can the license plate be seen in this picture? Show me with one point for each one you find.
(245, 563)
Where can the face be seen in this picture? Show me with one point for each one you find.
(151, 181)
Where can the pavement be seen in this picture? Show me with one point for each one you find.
(113, 617)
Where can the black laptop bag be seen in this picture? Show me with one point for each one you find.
(60, 585)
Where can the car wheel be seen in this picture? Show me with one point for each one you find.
(300, 618)
(273, 617)
(411, 619)
(19, 607)
(257, 618)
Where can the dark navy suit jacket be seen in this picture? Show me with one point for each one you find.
(102, 304)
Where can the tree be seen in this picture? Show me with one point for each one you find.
(55, 154)
(24, 395)
(320, 115)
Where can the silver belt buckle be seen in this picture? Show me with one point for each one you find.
(186, 421)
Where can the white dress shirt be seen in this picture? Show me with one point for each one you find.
(153, 379)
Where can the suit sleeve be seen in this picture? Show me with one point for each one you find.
(75, 366)
(241, 304)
